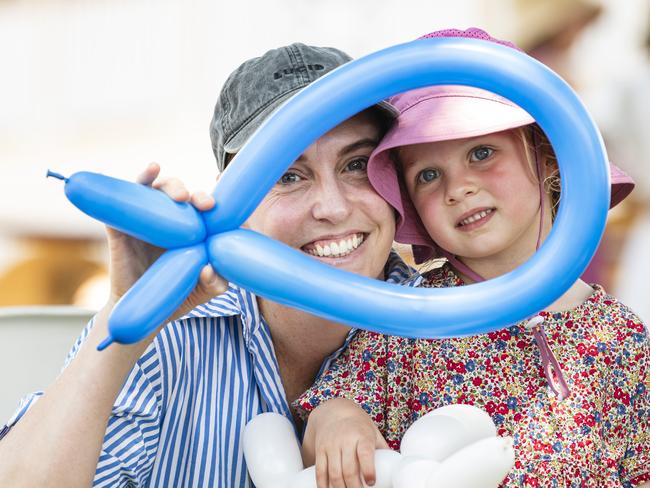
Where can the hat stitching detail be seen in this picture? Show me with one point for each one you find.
(425, 98)
(461, 135)
(299, 62)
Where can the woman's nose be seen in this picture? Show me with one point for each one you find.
(331, 202)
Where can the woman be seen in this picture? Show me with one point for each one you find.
(169, 410)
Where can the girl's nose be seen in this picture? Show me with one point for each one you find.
(458, 188)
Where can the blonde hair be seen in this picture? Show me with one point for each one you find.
(537, 147)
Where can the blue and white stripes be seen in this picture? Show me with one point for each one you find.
(178, 419)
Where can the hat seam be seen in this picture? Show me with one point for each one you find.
(425, 98)
(457, 135)
(298, 61)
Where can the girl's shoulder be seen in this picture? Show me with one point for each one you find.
(603, 316)
(612, 311)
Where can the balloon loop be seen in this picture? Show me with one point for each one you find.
(239, 254)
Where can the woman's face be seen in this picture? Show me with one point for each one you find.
(325, 206)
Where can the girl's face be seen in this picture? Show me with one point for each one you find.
(477, 198)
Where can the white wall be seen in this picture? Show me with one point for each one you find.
(34, 343)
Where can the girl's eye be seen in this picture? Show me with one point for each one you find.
(428, 175)
(288, 178)
(481, 153)
(360, 164)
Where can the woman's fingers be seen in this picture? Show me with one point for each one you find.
(202, 201)
(173, 187)
(148, 176)
(209, 286)
(210, 283)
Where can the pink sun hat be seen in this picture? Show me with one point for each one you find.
(442, 113)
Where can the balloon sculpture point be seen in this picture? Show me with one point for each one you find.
(58, 176)
(193, 239)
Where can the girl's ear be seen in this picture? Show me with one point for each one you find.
(551, 167)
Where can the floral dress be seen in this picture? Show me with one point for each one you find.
(597, 437)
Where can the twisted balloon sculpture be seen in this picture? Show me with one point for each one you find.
(193, 239)
(451, 446)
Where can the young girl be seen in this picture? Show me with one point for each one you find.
(475, 180)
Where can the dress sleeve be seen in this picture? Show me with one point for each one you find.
(630, 405)
(358, 374)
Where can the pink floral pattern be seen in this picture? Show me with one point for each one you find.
(599, 436)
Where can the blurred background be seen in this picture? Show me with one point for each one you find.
(109, 86)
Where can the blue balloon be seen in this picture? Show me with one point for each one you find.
(137, 210)
(239, 255)
(156, 295)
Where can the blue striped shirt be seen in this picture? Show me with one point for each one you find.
(179, 417)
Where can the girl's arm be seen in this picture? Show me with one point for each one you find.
(341, 437)
(341, 440)
(58, 440)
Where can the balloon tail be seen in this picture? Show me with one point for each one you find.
(105, 343)
(55, 175)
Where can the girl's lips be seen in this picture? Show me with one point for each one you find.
(475, 219)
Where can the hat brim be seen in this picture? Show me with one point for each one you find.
(453, 116)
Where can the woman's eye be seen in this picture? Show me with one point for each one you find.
(428, 175)
(288, 178)
(481, 153)
(360, 164)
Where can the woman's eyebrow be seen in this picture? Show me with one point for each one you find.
(361, 143)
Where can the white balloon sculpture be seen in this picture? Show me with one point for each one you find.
(451, 447)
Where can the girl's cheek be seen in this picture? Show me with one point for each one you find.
(428, 199)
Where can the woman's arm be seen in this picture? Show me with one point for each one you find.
(58, 441)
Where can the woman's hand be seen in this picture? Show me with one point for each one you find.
(342, 438)
(130, 257)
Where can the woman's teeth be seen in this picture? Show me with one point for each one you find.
(336, 249)
(475, 217)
